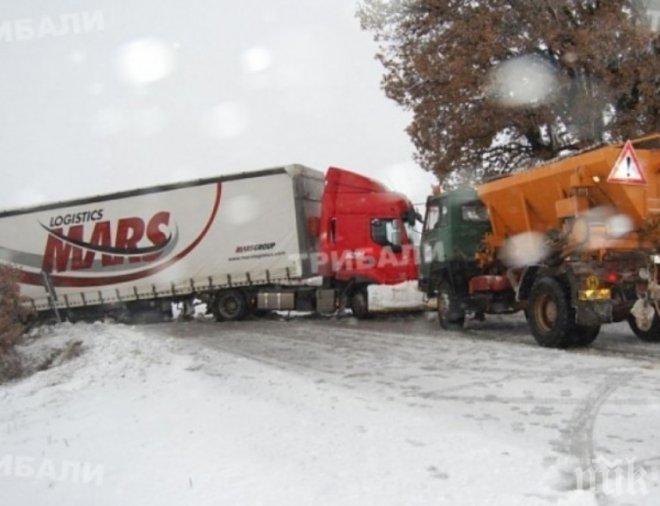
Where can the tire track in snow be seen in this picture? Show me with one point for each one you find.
(350, 356)
(611, 343)
(615, 341)
(299, 346)
(579, 439)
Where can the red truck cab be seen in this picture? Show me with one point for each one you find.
(363, 236)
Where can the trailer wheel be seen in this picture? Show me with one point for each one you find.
(651, 335)
(550, 315)
(360, 303)
(450, 314)
(584, 335)
(230, 305)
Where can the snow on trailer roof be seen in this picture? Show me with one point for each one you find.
(290, 169)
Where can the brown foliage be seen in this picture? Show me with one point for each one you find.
(12, 314)
(439, 57)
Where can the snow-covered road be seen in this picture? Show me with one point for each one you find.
(316, 411)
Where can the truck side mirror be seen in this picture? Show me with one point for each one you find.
(411, 216)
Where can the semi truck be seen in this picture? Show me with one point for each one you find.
(573, 243)
(286, 238)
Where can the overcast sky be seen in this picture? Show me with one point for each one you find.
(165, 90)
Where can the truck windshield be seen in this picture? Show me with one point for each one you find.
(474, 212)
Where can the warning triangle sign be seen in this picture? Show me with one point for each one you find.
(627, 169)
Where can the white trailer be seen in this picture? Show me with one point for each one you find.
(166, 242)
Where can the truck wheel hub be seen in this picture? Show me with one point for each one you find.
(546, 313)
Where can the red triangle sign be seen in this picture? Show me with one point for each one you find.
(627, 169)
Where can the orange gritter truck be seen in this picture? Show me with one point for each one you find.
(574, 243)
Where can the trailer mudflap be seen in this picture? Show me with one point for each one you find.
(593, 312)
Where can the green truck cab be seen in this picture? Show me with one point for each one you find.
(455, 224)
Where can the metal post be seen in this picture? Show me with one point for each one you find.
(52, 295)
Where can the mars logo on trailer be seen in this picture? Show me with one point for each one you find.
(89, 248)
(89, 237)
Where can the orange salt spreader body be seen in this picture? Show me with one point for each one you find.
(575, 243)
(544, 198)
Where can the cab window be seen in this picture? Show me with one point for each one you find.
(436, 215)
(432, 217)
(475, 212)
(385, 232)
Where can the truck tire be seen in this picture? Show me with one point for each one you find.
(360, 304)
(550, 315)
(584, 335)
(450, 315)
(650, 336)
(230, 305)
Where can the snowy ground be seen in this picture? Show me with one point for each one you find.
(314, 411)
